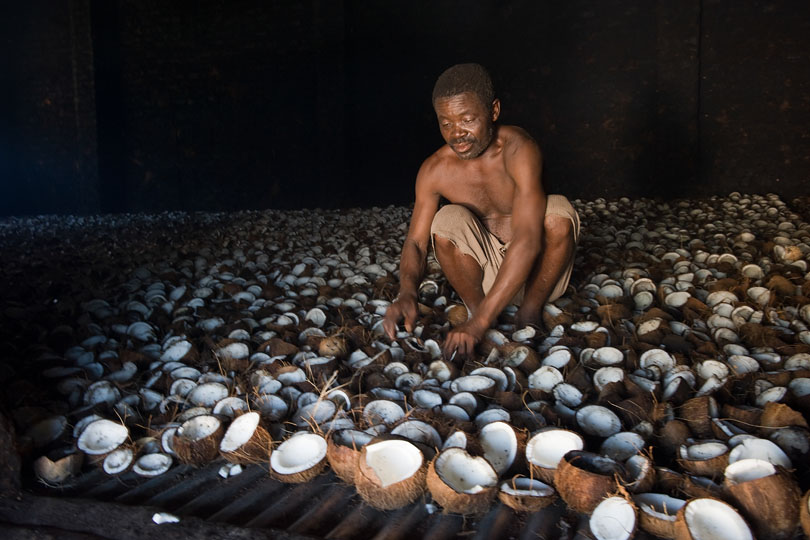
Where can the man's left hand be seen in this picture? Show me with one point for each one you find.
(463, 339)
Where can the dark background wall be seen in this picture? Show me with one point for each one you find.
(147, 105)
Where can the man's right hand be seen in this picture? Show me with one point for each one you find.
(404, 307)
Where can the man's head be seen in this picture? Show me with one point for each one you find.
(465, 104)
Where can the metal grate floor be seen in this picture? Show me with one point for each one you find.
(325, 507)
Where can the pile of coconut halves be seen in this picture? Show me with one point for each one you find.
(668, 392)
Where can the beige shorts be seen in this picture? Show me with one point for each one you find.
(459, 225)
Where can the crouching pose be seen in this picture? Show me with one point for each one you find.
(501, 239)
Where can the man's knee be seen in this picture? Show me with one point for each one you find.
(449, 217)
(558, 229)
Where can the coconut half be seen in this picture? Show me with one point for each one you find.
(523, 494)
(768, 498)
(613, 519)
(499, 443)
(196, 441)
(299, 459)
(343, 451)
(583, 479)
(461, 483)
(710, 519)
(151, 465)
(390, 474)
(55, 472)
(246, 441)
(657, 513)
(547, 447)
(101, 437)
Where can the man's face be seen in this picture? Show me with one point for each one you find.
(466, 124)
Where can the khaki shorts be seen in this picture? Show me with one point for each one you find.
(459, 225)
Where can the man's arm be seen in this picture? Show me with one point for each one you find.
(414, 254)
(524, 164)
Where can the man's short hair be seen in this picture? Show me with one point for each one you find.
(463, 78)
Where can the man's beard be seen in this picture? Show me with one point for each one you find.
(477, 147)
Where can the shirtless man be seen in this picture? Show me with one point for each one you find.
(501, 240)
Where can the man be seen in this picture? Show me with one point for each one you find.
(501, 240)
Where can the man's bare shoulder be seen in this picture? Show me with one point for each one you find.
(435, 163)
(515, 138)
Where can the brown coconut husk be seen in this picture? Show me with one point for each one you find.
(453, 501)
(456, 315)
(742, 416)
(583, 479)
(342, 459)
(300, 477)
(278, 347)
(781, 285)
(654, 525)
(695, 487)
(512, 351)
(397, 495)
(198, 452)
(333, 346)
(668, 481)
(712, 467)
(804, 513)
(672, 435)
(770, 504)
(777, 415)
(697, 413)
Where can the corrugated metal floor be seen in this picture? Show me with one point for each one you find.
(323, 508)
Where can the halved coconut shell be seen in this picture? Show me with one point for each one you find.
(151, 465)
(767, 496)
(101, 437)
(523, 494)
(706, 458)
(461, 483)
(343, 452)
(390, 474)
(707, 518)
(546, 448)
(299, 459)
(246, 441)
(583, 479)
(614, 518)
(57, 471)
(657, 513)
(196, 441)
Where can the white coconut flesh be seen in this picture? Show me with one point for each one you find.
(607, 375)
(598, 420)
(393, 461)
(234, 351)
(118, 460)
(746, 470)
(185, 372)
(271, 406)
(465, 400)
(152, 464)
(568, 394)
(426, 398)
(497, 375)
(101, 392)
(472, 383)
(637, 467)
(545, 378)
(176, 352)
(557, 359)
(102, 436)
(298, 453)
(206, 395)
(229, 405)
(526, 487)
(607, 356)
(457, 439)
(703, 451)
(547, 448)
(239, 432)
(351, 438)
(800, 386)
(710, 519)
(198, 427)
(622, 445)
(382, 411)
(499, 444)
(756, 448)
(613, 519)
(491, 415)
(418, 431)
(463, 472)
(659, 505)
(315, 413)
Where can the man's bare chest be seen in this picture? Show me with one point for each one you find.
(489, 195)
